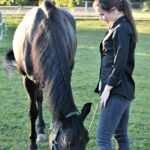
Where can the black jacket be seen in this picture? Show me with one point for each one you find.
(117, 59)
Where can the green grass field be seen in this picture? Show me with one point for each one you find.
(14, 122)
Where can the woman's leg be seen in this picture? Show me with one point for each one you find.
(121, 133)
(109, 120)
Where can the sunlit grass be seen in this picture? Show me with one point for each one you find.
(141, 15)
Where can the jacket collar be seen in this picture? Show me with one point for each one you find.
(118, 21)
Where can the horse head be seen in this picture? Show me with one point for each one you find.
(69, 132)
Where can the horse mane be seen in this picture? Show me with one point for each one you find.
(50, 60)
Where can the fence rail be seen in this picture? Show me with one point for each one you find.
(77, 12)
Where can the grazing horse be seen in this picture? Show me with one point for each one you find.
(44, 46)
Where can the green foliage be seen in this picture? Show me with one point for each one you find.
(13, 2)
(64, 3)
(21, 2)
(40, 1)
(68, 3)
(78, 1)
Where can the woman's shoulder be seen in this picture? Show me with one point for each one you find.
(122, 29)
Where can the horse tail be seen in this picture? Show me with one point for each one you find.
(9, 62)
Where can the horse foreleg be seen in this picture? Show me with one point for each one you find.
(41, 124)
(31, 89)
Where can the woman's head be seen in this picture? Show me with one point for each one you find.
(109, 16)
(107, 5)
(110, 9)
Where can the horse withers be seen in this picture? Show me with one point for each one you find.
(44, 47)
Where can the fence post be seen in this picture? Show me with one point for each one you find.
(86, 8)
(1, 26)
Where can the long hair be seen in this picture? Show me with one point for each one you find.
(51, 62)
(121, 5)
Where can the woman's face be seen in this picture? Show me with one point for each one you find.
(107, 16)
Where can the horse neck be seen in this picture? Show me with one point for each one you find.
(61, 100)
(50, 57)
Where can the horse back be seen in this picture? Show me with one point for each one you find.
(27, 31)
(23, 38)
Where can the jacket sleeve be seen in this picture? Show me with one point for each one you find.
(121, 38)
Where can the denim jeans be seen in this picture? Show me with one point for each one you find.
(113, 121)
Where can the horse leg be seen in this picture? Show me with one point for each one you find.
(41, 124)
(32, 90)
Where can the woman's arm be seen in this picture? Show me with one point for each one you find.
(105, 95)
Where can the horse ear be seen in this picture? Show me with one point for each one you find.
(85, 110)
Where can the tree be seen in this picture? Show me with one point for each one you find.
(61, 3)
(40, 1)
(13, 2)
(78, 1)
(67, 3)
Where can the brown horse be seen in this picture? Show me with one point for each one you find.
(44, 47)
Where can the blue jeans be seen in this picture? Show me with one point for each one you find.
(114, 122)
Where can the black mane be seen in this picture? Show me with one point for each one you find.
(50, 58)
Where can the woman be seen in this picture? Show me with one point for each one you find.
(116, 85)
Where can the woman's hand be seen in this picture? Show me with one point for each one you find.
(105, 95)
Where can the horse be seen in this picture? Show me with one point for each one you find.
(44, 47)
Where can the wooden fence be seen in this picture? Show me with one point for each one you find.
(78, 12)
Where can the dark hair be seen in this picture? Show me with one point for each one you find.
(121, 5)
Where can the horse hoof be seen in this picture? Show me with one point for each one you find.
(41, 138)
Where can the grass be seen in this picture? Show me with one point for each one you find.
(141, 14)
(14, 122)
